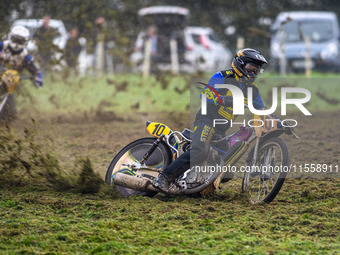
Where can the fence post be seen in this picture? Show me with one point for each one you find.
(240, 43)
(308, 60)
(283, 60)
(100, 59)
(147, 58)
(174, 56)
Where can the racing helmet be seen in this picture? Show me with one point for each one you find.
(247, 64)
(18, 38)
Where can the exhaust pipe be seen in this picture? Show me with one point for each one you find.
(133, 182)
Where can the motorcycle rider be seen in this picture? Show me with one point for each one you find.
(13, 54)
(246, 66)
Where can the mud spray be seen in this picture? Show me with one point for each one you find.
(28, 160)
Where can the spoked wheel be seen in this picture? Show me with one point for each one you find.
(264, 180)
(133, 153)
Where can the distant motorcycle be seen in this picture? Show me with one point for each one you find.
(9, 80)
(134, 168)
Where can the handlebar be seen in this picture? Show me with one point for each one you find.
(288, 130)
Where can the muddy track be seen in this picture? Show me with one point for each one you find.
(100, 135)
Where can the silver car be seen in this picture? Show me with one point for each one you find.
(202, 51)
(290, 31)
(210, 53)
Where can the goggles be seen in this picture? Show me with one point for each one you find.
(18, 39)
(253, 68)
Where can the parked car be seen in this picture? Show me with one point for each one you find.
(290, 30)
(210, 54)
(168, 23)
(202, 51)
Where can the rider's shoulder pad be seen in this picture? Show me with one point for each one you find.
(227, 73)
(255, 85)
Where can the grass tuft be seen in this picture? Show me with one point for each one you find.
(88, 180)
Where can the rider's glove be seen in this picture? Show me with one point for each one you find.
(227, 101)
(38, 80)
(288, 130)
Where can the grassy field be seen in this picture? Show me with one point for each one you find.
(121, 94)
(128, 94)
(304, 220)
(53, 199)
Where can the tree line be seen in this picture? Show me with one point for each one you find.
(245, 16)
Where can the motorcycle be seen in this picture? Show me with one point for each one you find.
(135, 167)
(9, 80)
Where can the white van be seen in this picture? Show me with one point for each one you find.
(290, 30)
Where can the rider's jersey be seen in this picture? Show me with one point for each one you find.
(17, 60)
(217, 111)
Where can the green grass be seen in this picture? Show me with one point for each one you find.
(127, 94)
(121, 94)
(40, 221)
(324, 91)
(37, 218)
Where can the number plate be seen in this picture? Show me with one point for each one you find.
(157, 129)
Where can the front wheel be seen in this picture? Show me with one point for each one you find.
(133, 153)
(264, 180)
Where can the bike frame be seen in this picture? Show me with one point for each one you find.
(3, 102)
(176, 140)
(258, 135)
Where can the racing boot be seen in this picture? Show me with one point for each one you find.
(162, 183)
(227, 176)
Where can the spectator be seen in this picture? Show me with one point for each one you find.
(44, 39)
(151, 54)
(100, 40)
(103, 48)
(72, 50)
(151, 35)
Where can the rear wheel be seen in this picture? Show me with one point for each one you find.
(133, 153)
(264, 180)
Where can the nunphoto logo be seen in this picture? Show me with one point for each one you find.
(238, 104)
